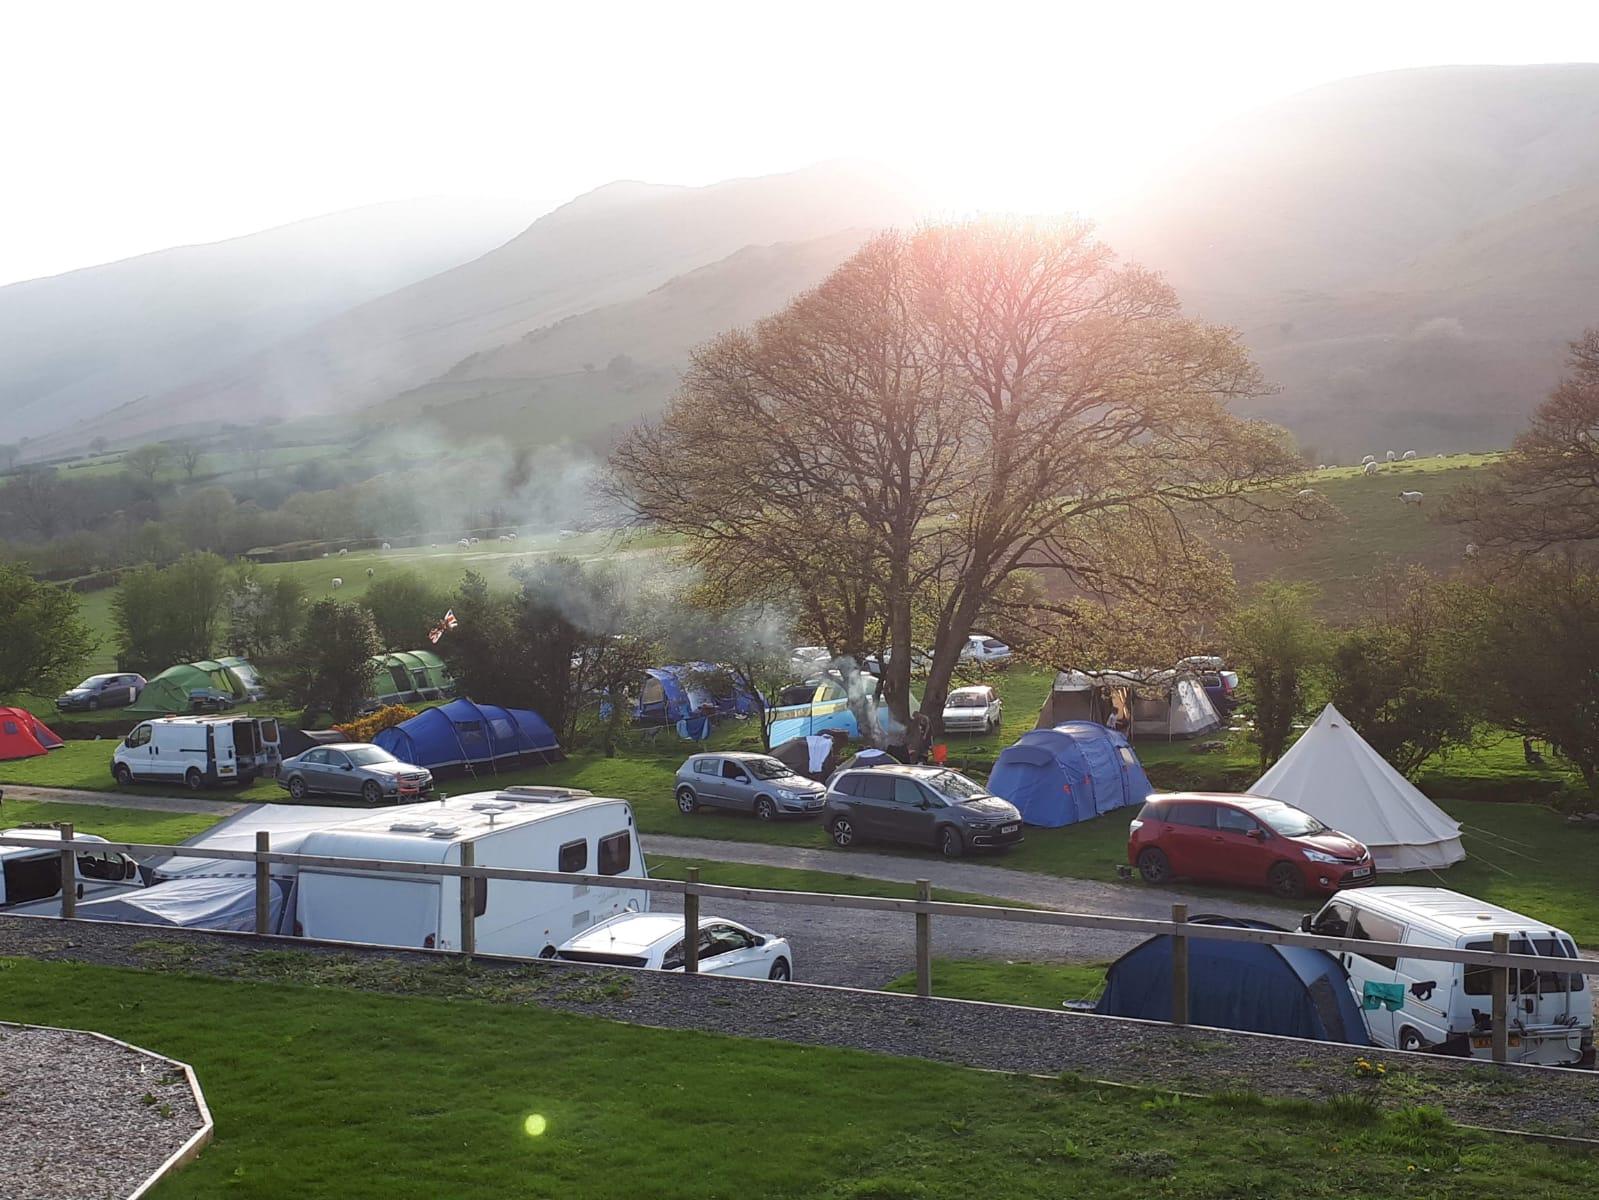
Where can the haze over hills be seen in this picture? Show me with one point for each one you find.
(1406, 254)
(75, 346)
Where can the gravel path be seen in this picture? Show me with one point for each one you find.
(977, 1035)
(171, 804)
(86, 1118)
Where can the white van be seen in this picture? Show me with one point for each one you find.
(532, 829)
(1551, 1012)
(197, 751)
(30, 876)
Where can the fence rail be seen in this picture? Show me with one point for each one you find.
(923, 908)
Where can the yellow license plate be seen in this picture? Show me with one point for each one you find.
(1483, 1043)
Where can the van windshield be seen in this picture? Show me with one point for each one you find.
(1288, 821)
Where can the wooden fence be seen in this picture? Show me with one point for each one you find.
(923, 908)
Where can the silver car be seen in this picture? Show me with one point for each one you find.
(353, 769)
(744, 782)
(973, 710)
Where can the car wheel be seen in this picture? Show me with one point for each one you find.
(372, 792)
(765, 810)
(122, 774)
(1410, 1040)
(687, 802)
(842, 831)
(780, 971)
(192, 779)
(1285, 880)
(951, 843)
(297, 788)
(1154, 866)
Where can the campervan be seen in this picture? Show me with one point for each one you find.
(197, 750)
(30, 876)
(536, 829)
(1424, 1002)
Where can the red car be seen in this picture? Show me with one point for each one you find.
(1248, 840)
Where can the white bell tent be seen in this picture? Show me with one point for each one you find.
(1332, 774)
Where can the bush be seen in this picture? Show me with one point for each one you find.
(364, 729)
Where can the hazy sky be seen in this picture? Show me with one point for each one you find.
(129, 127)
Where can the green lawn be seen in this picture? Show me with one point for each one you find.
(113, 824)
(333, 1094)
(1035, 985)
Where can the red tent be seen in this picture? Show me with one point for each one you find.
(23, 735)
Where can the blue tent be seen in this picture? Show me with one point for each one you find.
(1256, 988)
(680, 691)
(1070, 773)
(464, 734)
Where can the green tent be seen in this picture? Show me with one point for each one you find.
(410, 675)
(246, 680)
(169, 691)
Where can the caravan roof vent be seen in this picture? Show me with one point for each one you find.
(414, 825)
(493, 806)
(444, 831)
(532, 794)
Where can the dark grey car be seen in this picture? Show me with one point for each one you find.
(353, 769)
(101, 691)
(921, 806)
(744, 782)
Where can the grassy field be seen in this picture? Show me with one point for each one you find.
(113, 824)
(1035, 985)
(323, 1094)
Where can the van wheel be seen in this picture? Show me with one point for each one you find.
(122, 774)
(950, 843)
(780, 971)
(843, 832)
(297, 787)
(1154, 866)
(1285, 880)
(687, 802)
(371, 792)
(765, 810)
(1410, 1040)
(192, 779)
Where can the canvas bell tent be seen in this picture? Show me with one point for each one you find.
(169, 691)
(1071, 773)
(1335, 776)
(462, 734)
(409, 675)
(1154, 703)
(1286, 990)
(23, 735)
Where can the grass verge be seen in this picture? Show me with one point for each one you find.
(1035, 985)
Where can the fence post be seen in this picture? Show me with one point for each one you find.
(263, 882)
(1501, 1008)
(1179, 966)
(69, 872)
(468, 901)
(924, 942)
(691, 922)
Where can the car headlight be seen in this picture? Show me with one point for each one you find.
(1318, 856)
(785, 794)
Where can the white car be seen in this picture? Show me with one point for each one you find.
(972, 710)
(808, 660)
(990, 651)
(654, 941)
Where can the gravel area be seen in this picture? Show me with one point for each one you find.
(992, 1037)
(83, 1118)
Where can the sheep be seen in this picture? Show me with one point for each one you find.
(342, 553)
(1410, 497)
(1408, 455)
(386, 546)
(1321, 466)
(324, 554)
(370, 572)
(465, 543)
(1471, 549)
(1305, 492)
(1369, 469)
(473, 541)
(511, 535)
(505, 537)
(1392, 455)
(1368, 460)
(337, 583)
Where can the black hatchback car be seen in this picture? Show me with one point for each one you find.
(101, 691)
(921, 806)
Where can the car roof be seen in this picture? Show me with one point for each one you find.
(636, 933)
(972, 687)
(345, 746)
(1446, 910)
(1238, 799)
(740, 755)
(910, 770)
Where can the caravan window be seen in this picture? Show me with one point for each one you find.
(573, 857)
(616, 853)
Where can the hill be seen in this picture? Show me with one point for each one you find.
(78, 345)
(1406, 254)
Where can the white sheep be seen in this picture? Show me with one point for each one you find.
(1410, 497)
(1471, 549)
(505, 537)
(337, 583)
(472, 541)
(464, 543)
(342, 553)
(386, 546)
(1305, 492)
(324, 554)
(369, 572)
(1368, 460)
(1321, 466)
(1392, 455)
(1408, 455)
(512, 535)
(1370, 468)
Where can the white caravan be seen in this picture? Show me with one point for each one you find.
(30, 876)
(532, 829)
(1551, 1012)
(197, 751)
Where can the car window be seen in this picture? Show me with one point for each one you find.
(723, 939)
(908, 793)
(875, 787)
(731, 770)
(1230, 820)
(673, 959)
(1333, 921)
(1373, 927)
(1479, 980)
(573, 856)
(705, 766)
(616, 853)
(848, 785)
(335, 759)
(799, 693)
(314, 757)
(1195, 816)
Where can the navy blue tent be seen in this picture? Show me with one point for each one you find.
(677, 692)
(464, 734)
(1256, 988)
(1073, 772)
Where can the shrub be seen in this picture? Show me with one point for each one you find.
(364, 729)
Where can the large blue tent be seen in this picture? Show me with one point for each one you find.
(464, 734)
(677, 692)
(1073, 772)
(1287, 990)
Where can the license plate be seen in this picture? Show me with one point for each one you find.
(1008, 828)
(1483, 1043)
(1360, 873)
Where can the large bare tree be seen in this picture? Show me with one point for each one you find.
(952, 410)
